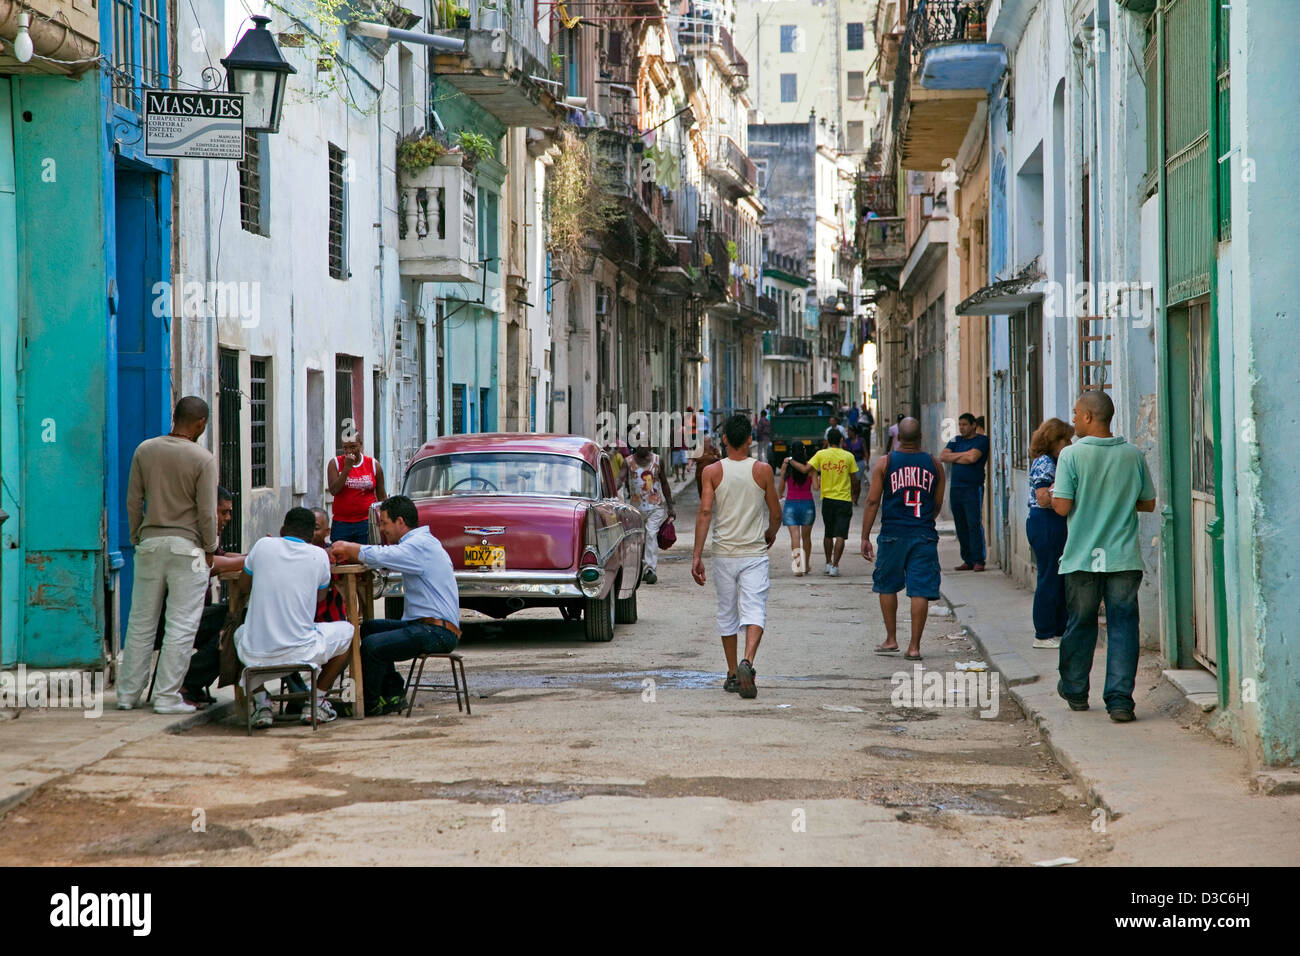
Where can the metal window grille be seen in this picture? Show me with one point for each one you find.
(257, 381)
(337, 259)
(1018, 382)
(1094, 352)
(150, 31)
(343, 365)
(123, 52)
(854, 36)
(457, 409)
(250, 185)
(229, 460)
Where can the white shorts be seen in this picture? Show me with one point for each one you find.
(742, 585)
(331, 638)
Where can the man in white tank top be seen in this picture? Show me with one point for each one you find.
(738, 499)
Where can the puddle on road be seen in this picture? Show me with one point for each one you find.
(1018, 801)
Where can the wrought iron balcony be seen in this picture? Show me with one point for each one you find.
(950, 49)
(438, 226)
(769, 307)
(732, 169)
(785, 348)
(877, 193)
(695, 34)
(883, 243)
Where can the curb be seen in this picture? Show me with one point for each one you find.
(1015, 671)
(182, 724)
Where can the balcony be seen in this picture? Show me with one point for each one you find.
(500, 68)
(883, 244)
(785, 348)
(732, 169)
(438, 229)
(697, 36)
(769, 307)
(613, 154)
(945, 70)
(60, 30)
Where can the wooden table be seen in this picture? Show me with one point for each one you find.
(356, 583)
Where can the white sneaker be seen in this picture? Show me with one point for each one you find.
(833, 571)
(827, 569)
(178, 707)
(124, 704)
(1051, 643)
(324, 712)
(263, 718)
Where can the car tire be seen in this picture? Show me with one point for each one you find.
(598, 616)
(625, 608)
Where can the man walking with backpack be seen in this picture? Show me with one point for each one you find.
(738, 493)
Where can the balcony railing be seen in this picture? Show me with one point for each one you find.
(769, 307)
(778, 346)
(504, 17)
(949, 21)
(877, 193)
(694, 32)
(741, 164)
(884, 240)
(438, 229)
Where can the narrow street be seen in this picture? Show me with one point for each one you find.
(627, 752)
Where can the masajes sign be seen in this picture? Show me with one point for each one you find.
(194, 125)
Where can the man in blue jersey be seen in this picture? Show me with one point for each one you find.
(910, 485)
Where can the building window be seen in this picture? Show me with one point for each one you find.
(789, 87)
(343, 414)
(854, 36)
(123, 53)
(258, 418)
(253, 214)
(150, 31)
(337, 213)
(760, 173)
(856, 134)
(1094, 352)
(857, 89)
(1025, 382)
(458, 409)
(138, 50)
(229, 443)
(488, 228)
(789, 38)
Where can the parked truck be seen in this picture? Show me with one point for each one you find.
(803, 420)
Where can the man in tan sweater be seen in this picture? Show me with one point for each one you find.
(171, 503)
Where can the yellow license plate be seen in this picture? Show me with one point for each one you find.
(483, 555)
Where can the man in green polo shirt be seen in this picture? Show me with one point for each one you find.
(1102, 482)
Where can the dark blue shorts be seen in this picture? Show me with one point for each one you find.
(910, 561)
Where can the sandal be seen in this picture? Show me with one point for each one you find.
(912, 657)
(882, 649)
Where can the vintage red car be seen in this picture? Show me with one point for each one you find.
(530, 521)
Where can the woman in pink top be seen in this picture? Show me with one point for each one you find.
(798, 513)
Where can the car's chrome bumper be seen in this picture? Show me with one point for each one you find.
(523, 584)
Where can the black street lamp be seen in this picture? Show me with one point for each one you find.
(256, 69)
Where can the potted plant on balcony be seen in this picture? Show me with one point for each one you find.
(418, 150)
(453, 14)
(474, 147)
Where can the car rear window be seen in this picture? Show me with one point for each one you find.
(500, 473)
(807, 408)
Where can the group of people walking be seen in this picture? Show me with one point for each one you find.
(1082, 525)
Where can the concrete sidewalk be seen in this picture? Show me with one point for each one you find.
(38, 745)
(1164, 771)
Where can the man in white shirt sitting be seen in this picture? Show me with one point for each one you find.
(281, 627)
(430, 621)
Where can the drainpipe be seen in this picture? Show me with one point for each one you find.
(380, 31)
(1168, 589)
(1215, 529)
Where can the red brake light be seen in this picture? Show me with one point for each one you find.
(588, 558)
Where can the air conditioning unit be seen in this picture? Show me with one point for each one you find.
(602, 303)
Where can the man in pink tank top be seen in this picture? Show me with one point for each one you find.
(739, 501)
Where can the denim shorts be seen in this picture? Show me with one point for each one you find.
(798, 513)
(909, 560)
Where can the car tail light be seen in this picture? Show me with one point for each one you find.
(590, 574)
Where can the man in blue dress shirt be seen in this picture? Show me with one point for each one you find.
(430, 623)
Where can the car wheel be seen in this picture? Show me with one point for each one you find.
(599, 617)
(625, 609)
